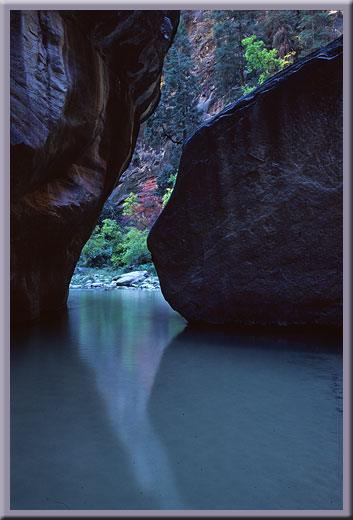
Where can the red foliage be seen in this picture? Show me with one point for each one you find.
(144, 213)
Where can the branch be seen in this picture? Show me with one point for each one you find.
(170, 137)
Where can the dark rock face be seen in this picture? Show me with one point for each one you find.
(82, 82)
(253, 231)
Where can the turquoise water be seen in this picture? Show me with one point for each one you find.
(119, 405)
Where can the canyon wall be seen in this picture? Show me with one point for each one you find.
(82, 82)
(253, 232)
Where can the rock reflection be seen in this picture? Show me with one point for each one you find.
(115, 408)
(250, 420)
(122, 341)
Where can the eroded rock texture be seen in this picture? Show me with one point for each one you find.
(81, 84)
(253, 231)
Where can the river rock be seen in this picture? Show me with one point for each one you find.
(252, 233)
(132, 278)
(82, 82)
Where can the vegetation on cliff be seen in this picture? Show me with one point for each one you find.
(177, 114)
(217, 57)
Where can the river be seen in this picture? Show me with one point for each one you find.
(118, 405)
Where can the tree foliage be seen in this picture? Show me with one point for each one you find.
(134, 251)
(230, 28)
(315, 29)
(123, 246)
(285, 35)
(248, 46)
(140, 211)
(104, 242)
(169, 191)
(177, 114)
(280, 31)
(261, 63)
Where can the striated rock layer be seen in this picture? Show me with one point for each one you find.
(82, 82)
(253, 231)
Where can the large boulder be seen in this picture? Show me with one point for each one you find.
(253, 231)
(82, 82)
(134, 277)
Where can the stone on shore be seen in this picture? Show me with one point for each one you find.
(134, 277)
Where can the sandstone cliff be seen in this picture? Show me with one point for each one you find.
(253, 231)
(82, 82)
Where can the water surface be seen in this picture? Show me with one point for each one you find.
(119, 405)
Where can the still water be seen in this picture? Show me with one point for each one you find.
(119, 405)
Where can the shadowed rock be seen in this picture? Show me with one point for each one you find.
(81, 84)
(253, 231)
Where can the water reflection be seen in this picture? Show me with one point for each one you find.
(122, 339)
(119, 406)
(80, 438)
(256, 421)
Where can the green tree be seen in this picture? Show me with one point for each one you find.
(169, 190)
(177, 114)
(293, 33)
(139, 212)
(105, 241)
(280, 31)
(261, 63)
(134, 249)
(130, 206)
(229, 30)
(315, 29)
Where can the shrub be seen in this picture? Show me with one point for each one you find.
(140, 211)
(134, 248)
(169, 191)
(126, 247)
(260, 61)
(103, 242)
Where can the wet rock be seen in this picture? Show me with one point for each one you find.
(82, 82)
(252, 233)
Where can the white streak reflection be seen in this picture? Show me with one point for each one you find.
(125, 371)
